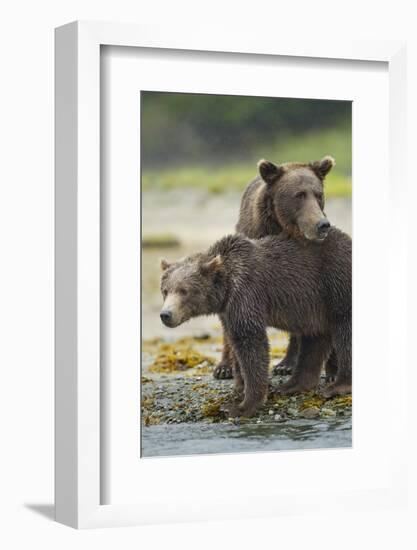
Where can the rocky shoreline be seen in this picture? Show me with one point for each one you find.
(178, 387)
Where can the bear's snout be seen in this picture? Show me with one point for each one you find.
(166, 317)
(322, 228)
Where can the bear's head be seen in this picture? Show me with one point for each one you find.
(296, 192)
(190, 287)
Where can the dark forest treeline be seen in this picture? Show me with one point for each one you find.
(177, 127)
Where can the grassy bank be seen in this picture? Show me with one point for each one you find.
(235, 176)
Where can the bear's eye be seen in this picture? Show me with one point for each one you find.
(182, 291)
(300, 195)
(164, 294)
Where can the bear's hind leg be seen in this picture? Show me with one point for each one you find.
(313, 352)
(331, 367)
(342, 341)
(224, 369)
(239, 383)
(287, 365)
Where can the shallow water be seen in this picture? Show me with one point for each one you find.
(203, 438)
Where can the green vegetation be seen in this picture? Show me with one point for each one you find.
(178, 386)
(213, 142)
(162, 240)
(180, 357)
(235, 176)
(212, 407)
(183, 129)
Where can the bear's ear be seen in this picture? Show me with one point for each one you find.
(212, 265)
(164, 264)
(322, 167)
(269, 171)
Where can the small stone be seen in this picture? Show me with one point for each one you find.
(328, 412)
(277, 417)
(310, 412)
(259, 421)
(293, 412)
(270, 412)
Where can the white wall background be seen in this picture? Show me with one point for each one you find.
(26, 274)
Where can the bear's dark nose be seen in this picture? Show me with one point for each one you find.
(166, 316)
(322, 226)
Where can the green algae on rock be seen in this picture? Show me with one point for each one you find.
(277, 351)
(178, 387)
(212, 408)
(163, 240)
(174, 357)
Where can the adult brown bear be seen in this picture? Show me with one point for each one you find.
(255, 283)
(285, 200)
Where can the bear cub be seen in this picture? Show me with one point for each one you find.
(285, 200)
(281, 283)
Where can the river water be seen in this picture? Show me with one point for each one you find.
(202, 438)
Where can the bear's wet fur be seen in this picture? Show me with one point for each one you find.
(271, 205)
(271, 202)
(282, 283)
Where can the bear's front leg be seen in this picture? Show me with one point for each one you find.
(250, 346)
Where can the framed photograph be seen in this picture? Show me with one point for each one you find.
(219, 342)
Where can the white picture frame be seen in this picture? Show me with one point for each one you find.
(78, 426)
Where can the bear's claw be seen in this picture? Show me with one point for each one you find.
(235, 410)
(336, 389)
(223, 372)
(291, 387)
(231, 410)
(282, 369)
